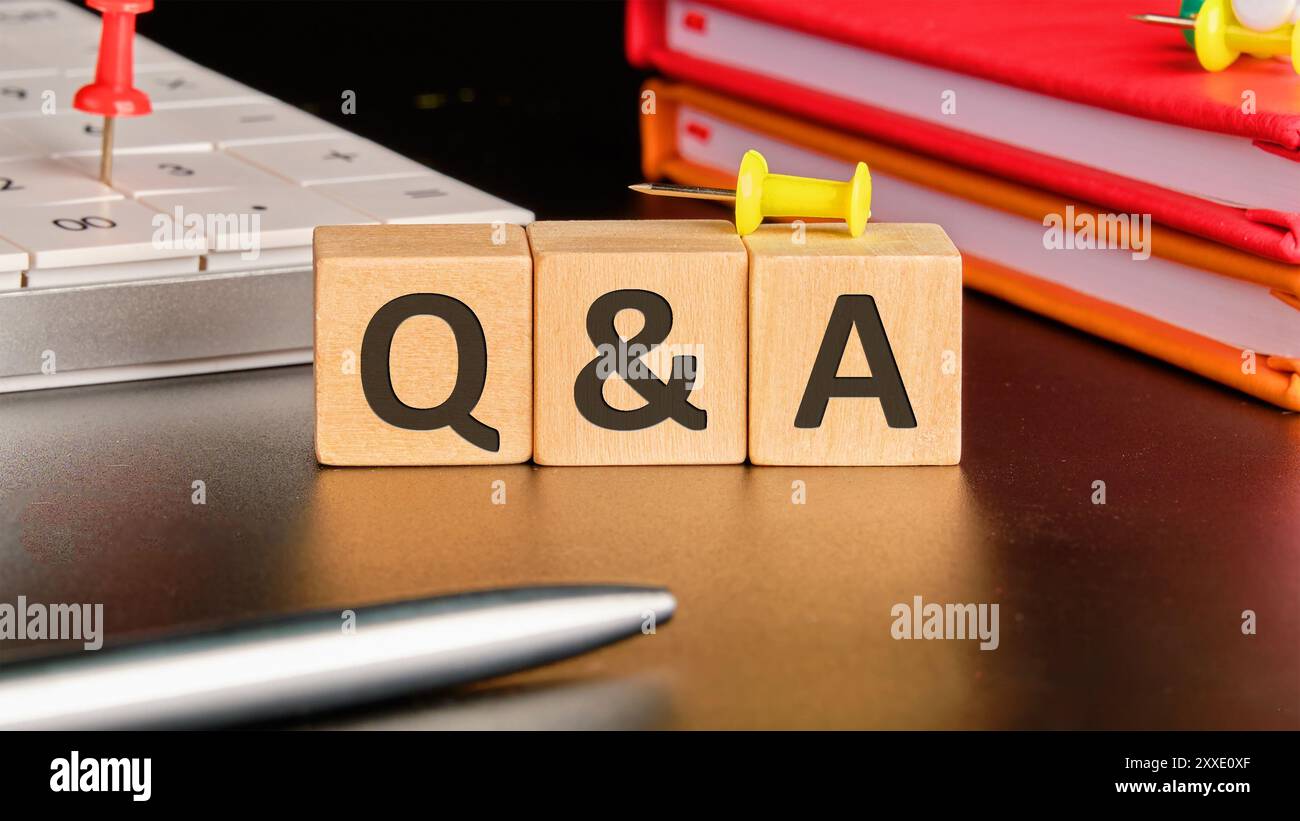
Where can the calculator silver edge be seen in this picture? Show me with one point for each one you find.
(231, 316)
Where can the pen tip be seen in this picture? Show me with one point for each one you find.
(663, 603)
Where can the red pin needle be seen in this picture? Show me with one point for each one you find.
(113, 93)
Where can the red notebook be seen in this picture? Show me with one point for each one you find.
(1072, 97)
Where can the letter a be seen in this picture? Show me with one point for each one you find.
(885, 383)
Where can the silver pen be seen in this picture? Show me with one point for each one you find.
(318, 660)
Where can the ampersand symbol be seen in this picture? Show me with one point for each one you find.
(663, 400)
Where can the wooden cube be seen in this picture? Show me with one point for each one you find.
(423, 344)
(855, 346)
(640, 354)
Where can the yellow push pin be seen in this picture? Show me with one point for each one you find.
(759, 194)
(1220, 38)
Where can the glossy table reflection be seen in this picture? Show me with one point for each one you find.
(1125, 615)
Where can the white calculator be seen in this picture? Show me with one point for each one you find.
(198, 257)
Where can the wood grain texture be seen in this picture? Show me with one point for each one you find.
(699, 267)
(359, 269)
(913, 272)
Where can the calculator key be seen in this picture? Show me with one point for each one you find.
(425, 199)
(35, 97)
(141, 175)
(15, 65)
(23, 19)
(78, 134)
(99, 274)
(75, 53)
(334, 160)
(93, 233)
(15, 147)
(12, 259)
(18, 73)
(286, 215)
(252, 123)
(44, 181)
(77, 57)
(192, 86)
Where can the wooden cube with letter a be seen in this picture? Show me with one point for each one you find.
(640, 352)
(423, 344)
(855, 346)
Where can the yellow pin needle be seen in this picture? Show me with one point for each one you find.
(761, 194)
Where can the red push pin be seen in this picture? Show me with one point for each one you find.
(113, 93)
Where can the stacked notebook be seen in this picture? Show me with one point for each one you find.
(1085, 164)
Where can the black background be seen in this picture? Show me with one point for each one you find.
(533, 102)
(906, 775)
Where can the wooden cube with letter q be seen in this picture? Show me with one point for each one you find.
(855, 346)
(640, 331)
(423, 344)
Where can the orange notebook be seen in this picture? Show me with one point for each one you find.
(1224, 314)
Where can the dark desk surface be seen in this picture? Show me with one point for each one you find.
(1125, 615)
